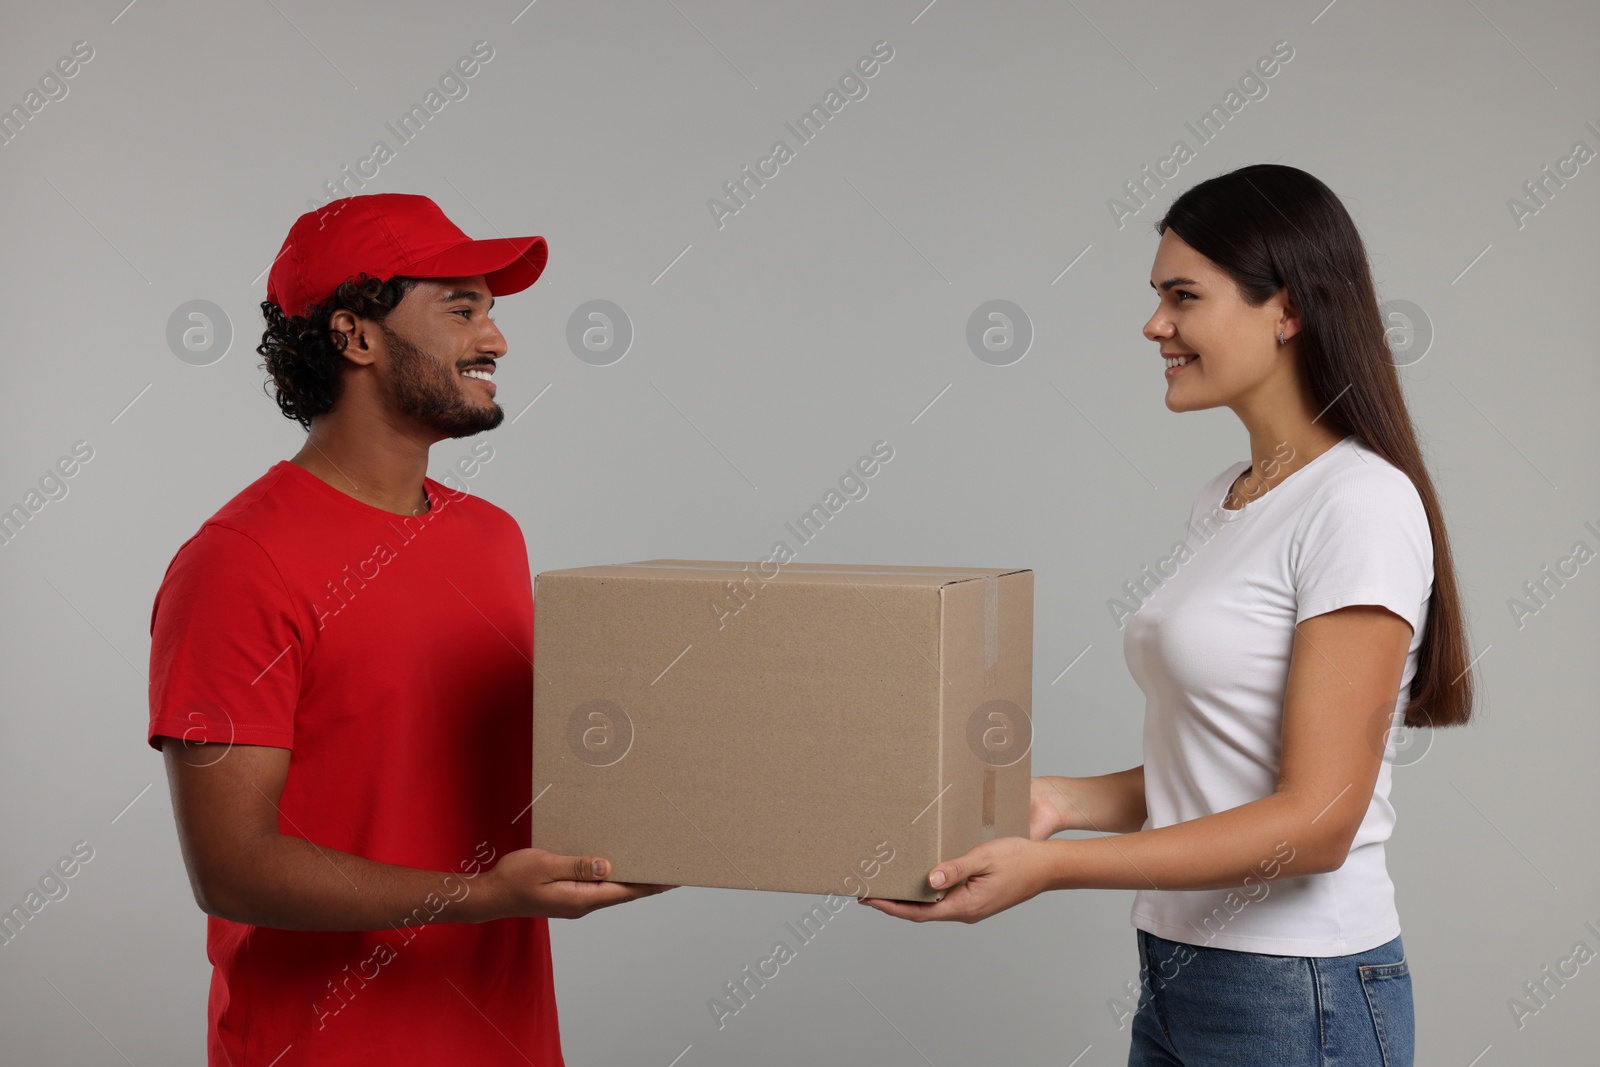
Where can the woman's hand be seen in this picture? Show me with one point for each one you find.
(991, 878)
(1104, 803)
(1047, 809)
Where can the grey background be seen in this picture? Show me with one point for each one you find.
(828, 314)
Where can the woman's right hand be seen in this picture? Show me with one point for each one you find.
(1105, 803)
(1048, 808)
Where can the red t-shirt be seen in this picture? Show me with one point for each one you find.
(393, 655)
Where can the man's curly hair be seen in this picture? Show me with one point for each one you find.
(305, 357)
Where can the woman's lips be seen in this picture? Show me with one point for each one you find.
(1172, 371)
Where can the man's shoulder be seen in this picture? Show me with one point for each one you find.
(475, 508)
(241, 532)
(270, 508)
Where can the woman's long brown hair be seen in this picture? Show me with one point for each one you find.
(1271, 227)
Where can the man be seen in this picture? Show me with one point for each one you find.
(341, 680)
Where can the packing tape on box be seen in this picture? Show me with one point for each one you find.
(991, 622)
(989, 782)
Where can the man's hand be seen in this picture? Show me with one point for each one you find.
(532, 882)
(992, 877)
(244, 868)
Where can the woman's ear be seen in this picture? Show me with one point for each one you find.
(1288, 320)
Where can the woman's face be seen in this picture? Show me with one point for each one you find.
(1233, 347)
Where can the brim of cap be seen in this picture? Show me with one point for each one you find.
(508, 264)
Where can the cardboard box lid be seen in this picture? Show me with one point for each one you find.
(791, 573)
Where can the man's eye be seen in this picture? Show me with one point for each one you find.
(463, 311)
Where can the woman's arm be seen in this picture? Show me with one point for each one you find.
(1111, 803)
(1344, 680)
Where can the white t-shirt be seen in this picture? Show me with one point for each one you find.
(1209, 646)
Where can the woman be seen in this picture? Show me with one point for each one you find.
(1314, 609)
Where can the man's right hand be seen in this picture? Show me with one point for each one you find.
(243, 868)
(533, 882)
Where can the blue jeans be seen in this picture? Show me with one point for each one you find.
(1216, 1007)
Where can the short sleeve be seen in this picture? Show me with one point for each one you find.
(1365, 541)
(226, 645)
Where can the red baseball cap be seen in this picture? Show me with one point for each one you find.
(389, 234)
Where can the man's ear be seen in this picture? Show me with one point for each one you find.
(359, 334)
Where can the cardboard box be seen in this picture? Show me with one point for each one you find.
(810, 728)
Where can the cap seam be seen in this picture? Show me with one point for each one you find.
(402, 253)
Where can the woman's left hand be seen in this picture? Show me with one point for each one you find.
(991, 878)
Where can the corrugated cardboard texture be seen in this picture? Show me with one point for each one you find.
(698, 723)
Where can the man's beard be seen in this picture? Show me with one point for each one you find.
(431, 395)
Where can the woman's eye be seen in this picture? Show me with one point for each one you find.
(1182, 294)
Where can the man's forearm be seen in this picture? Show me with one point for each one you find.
(293, 884)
